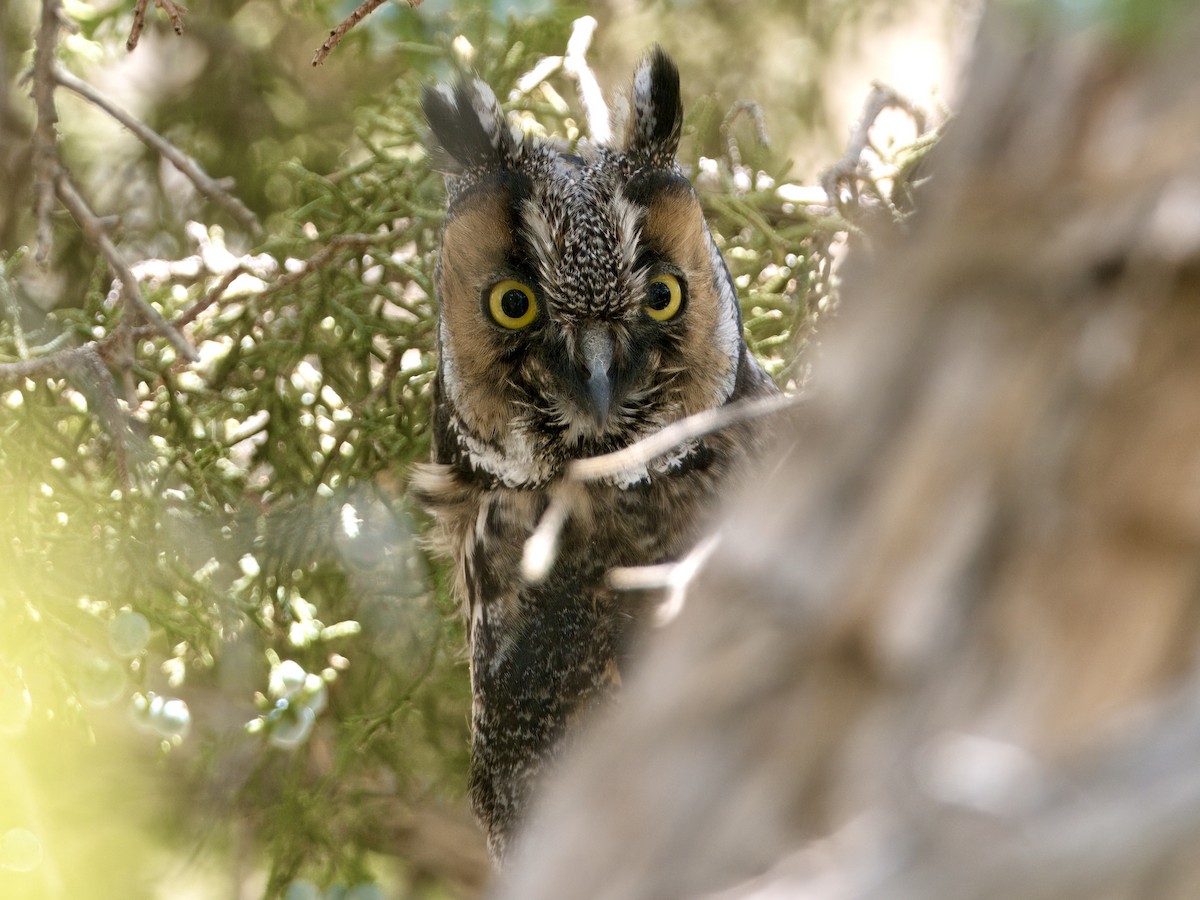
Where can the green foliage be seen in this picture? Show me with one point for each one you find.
(223, 554)
(1138, 23)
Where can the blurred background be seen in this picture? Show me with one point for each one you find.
(228, 667)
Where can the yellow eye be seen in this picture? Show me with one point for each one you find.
(512, 304)
(664, 296)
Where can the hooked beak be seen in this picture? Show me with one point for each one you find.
(596, 349)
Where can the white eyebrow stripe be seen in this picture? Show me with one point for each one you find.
(628, 217)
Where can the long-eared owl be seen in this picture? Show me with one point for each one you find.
(583, 305)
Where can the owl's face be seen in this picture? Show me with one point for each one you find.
(584, 304)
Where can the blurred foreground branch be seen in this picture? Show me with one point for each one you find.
(945, 648)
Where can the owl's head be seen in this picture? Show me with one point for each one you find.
(583, 303)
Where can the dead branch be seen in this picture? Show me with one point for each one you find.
(645, 451)
(204, 183)
(849, 168)
(175, 11)
(93, 229)
(218, 290)
(541, 546)
(52, 365)
(361, 11)
(754, 112)
(576, 65)
(54, 359)
(327, 252)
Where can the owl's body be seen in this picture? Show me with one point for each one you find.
(583, 306)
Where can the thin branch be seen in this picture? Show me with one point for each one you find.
(174, 10)
(135, 29)
(45, 137)
(54, 359)
(654, 577)
(576, 65)
(93, 230)
(327, 252)
(541, 547)
(218, 290)
(754, 112)
(848, 167)
(361, 11)
(53, 365)
(643, 452)
(204, 183)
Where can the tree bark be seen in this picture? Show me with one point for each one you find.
(947, 646)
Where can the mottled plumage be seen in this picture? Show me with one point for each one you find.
(583, 305)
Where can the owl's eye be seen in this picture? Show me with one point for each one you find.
(512, 304)
(664, 297)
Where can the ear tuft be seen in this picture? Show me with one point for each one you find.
(469, 127)
(656, 112)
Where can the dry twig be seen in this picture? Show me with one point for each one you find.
(361, 11)
(174, 10)
(93, 230)
(646, 450)
(327, 252)
(576, 65)
(541, 546)
(204, 183)
(848, 168)
(754, 112)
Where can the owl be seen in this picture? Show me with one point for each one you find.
(583, 305)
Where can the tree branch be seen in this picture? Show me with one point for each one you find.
(848, 168)
(576, 65)
(541, 547)
(361, 11)
(96, 235)
(204, 183)
(174, 10)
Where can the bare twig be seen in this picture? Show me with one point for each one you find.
(93, 230)
(541, 546)
(139, 22)
(754, 112)
(361, 11)
(54, 364)
(204, 183)
(646, 450)
(45, 137)
(327, 252)
(173, 10)
(848, 167)
(576, 65)
(56, 359)
(216, 293)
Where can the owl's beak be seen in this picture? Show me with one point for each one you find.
(596, 348)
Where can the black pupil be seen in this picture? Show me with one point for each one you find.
(660, 295)
(514, 303)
